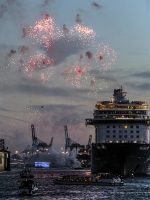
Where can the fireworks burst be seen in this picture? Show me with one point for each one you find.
(78, 74)
(45, 31)
(16, 61)
(105, 56)
(78, 20)
(96, 85)
(84, 34)
(24, 32)
(40, 63)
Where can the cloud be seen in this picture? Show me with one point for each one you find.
(139, 86)
(63, 49)
(3, 9)
(142, 74)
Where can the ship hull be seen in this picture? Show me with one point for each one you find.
(120, 158)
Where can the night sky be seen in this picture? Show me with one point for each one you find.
(59, 57)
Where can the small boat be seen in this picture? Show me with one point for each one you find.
(26, 173)
(27, 187)
(89, 180)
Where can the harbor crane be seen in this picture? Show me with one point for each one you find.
(84, 154)
(28, 151)
(39, 144)
(70, 144)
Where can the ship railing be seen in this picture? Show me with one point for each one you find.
(126, 141)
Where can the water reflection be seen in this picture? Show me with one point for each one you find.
(139, 188)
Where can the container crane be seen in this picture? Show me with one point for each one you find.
(70, 144)
(39, 144)
(84, 154)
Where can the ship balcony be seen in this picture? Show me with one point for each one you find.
(120, 116)
(116, 121)
(126, 141)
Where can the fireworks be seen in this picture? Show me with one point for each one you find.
(65, 29)
(78, 20)
(78, 74)
(24, 32)
(15, 61)
(89, 54)
(23, 50)
(84, 34)
(40, 63)
(45, 31)
(94, 4)
(96, 85)
(105, 56)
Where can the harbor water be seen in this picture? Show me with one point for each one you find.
(138, 188)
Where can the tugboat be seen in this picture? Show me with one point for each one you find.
(27, 187)
(26, 173)
(97, 180)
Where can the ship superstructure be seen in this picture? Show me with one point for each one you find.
(122, 136)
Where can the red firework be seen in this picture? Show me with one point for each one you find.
(23, 49)
(89, 54)
(44, 31)
(100, 57)
(24, 32)
(84, 34)
(78, 74)
(78, 20)
(106, 56)
(42, 64)
(65, 28)
(12, 52)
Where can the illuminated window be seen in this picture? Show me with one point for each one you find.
(125, 126)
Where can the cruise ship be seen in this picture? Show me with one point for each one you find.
(122, 136)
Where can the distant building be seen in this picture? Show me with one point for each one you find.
(4, 157)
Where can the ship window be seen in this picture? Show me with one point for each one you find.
(137, 126)
(120, 126)
(131, 136)
(107, 136)
(114, 136)
(131, 126)
(107, 126)
(125, 126)
(120, 131)
(120, 136)
(131, 131)
(137, 131)
(137, 136)
(125, 131)
(114, 131)
(107, 131)
(125, 136)
(114, 126)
